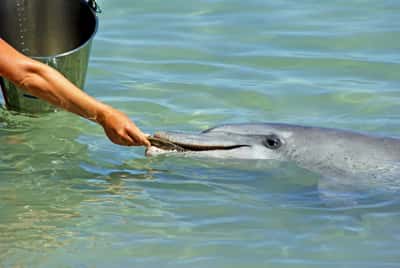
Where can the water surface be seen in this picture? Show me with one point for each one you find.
(70, 198)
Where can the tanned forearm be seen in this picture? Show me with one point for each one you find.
(48, 84)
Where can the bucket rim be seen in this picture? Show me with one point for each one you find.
(72, 51)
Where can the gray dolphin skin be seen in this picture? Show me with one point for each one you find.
(332, 152)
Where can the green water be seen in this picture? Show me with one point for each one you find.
(70, 198)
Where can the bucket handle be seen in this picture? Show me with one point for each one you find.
(93, 5)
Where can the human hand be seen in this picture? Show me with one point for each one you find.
(121, 130)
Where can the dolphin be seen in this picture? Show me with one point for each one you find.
(347, 157)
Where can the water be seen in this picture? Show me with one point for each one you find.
(70, 198)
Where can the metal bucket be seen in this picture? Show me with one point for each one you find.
(56, 32)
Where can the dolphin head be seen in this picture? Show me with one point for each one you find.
(241, 141)
(344, 158)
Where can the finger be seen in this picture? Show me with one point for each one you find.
(139, 137)
(142, 140)
(146, 142)
(122, 138)
(127, 140)
(146, 139)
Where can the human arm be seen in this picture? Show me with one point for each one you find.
(48, 84)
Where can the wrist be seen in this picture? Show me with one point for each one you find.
(102, 114)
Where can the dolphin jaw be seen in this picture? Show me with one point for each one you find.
(236, 152)
(163, 143)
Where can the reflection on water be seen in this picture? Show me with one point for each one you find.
(68, 197)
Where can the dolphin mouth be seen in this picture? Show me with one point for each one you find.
(189, 143)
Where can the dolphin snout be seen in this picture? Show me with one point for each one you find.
(181, 142)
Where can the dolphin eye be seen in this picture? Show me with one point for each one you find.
(272, 142)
